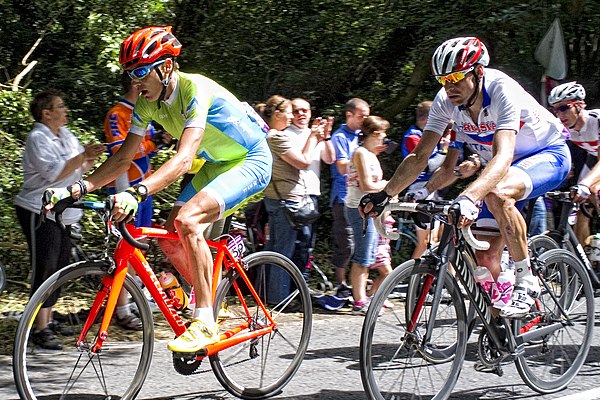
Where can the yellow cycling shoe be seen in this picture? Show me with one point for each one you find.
(197, 336)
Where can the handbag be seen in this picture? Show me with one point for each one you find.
(299, 214)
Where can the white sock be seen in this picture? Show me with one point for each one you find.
(204, 314)
(523, 269)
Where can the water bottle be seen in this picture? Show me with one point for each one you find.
(173, 289)
(572, 219)
(504, 259)
(502, 290)
(484, 278)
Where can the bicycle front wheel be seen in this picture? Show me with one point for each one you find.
(261, 367)
(564, 313)
(400, 359)
(76, 372)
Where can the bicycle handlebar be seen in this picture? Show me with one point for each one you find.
(105, 208)
(430, 208)
(567, 197)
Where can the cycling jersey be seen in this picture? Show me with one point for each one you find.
(587, 136)
(199, 102)
(238, 160)
(506, 105)
(410, 140)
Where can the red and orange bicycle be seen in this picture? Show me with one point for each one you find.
(263, 340)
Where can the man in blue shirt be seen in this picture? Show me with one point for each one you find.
(345, 141)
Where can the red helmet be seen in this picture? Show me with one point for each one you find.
(147, 45)
(459, 54)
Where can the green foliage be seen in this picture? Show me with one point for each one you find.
(326, 51)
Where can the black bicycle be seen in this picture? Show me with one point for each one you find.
(563, 237)
(417, 348)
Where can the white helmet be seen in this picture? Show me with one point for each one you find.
(566, 91)
(459, 54)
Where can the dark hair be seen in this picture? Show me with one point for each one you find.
(267, 109)
(374, 123)
(354, 103)
(125, 82)
(43, 101)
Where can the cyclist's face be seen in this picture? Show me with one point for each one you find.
(459, 92)
(568, 117)
(151, 86)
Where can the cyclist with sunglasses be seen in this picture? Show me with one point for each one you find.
(567, 102)
(521, 143)
(210, 123)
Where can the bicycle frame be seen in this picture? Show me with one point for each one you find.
(125, 254)
(567, 235)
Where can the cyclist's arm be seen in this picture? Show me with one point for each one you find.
(444, 176)
(592, 179)
(503, 149)
(177, 165)
(113, 167)
(413, 164)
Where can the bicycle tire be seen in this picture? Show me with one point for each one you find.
(74, 372)
(2, 277)
(393, 362)
(549, 365)
(246, 370)
(539, 244)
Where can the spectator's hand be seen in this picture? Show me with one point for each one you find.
(328, 127)
(417, 194)
(580, 192)
(372, 204)
(93, 151)
(468, 210)
(468, 167)
(125, 206)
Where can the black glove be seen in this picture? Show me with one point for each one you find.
(379, 201)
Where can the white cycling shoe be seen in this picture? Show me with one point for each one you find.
(523, 297)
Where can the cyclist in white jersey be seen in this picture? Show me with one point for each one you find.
(522, 143)
(567, 102)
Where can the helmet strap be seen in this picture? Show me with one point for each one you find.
(165, 82)
(471, 99)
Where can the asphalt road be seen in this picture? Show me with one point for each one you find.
(330, 371)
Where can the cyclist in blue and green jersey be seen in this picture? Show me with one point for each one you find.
(210, 123)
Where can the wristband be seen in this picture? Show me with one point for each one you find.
(83, 187)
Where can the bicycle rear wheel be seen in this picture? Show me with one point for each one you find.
(550, 362)
(261, 367)
(396, 361)
(75, 372)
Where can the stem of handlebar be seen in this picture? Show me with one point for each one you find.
(427, 208)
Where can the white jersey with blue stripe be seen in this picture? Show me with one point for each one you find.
(506, 105)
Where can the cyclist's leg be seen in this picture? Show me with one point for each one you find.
(215, 198)
(527, 178)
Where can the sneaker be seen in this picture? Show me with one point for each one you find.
(197, 336)
(331, 303)
(388, 304)
(60, 329)
(343, 292)
(523, 297)
(361, 307)
(130, 322)
(46, 340)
